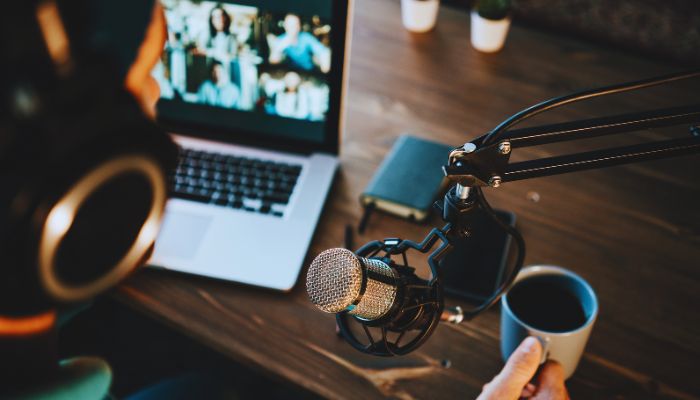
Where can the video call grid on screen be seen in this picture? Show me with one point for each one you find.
(258, 65)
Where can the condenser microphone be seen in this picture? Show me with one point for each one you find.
(338, 280)
(380, 295)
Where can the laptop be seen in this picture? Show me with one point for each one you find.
(252, 93)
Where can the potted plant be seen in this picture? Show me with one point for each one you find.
(490, 24)
(419, 15)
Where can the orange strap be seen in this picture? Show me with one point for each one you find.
(23, 326)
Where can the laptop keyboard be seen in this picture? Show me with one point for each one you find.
(249, 184)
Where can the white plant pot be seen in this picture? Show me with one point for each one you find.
(419, 15)
(488, 35)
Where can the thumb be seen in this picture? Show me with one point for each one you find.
(519, 369)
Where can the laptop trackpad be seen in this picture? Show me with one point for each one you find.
(181, 234)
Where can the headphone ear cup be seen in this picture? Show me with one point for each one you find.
(101, 228)
(84, 170)
(109, 206)
(91, 191)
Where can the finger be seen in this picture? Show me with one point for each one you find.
(519, 369)
(550, 382)
(528, 391)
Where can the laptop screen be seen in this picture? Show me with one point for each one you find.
(262, 67)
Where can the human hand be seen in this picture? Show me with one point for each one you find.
(285, 42)
(513, 381)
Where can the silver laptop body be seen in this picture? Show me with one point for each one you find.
(259, 236)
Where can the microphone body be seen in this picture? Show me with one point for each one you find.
(338, 281)
(376, 293)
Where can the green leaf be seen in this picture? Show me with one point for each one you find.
(493, 9)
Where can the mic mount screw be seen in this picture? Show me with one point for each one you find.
(453, 315)
(469, 147)
(462, 192)
(504, 147)
(495, 181)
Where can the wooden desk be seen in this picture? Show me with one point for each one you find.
(633, 232)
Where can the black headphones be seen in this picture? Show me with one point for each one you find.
(82, 169)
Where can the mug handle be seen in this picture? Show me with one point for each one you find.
(544, 341)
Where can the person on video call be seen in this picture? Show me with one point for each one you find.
(518, 378)
(218, 42)
(297, 48)
(292, 101)
(219, 90)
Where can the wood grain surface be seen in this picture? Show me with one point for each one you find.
(633, 232)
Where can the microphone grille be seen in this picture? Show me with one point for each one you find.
(338, 280)
(334, 280)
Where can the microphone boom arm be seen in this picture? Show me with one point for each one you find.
(485, 160)
(476, 164)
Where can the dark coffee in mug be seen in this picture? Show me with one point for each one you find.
(548, 302)
(556, 306)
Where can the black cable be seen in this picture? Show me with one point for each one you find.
(520, 259)
(521, 116)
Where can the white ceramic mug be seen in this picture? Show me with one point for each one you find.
(488, 35)
(565, 347)
(419, 15)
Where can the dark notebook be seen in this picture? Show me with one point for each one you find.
(409, 179)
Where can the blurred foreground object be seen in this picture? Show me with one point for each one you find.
(83, 171)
